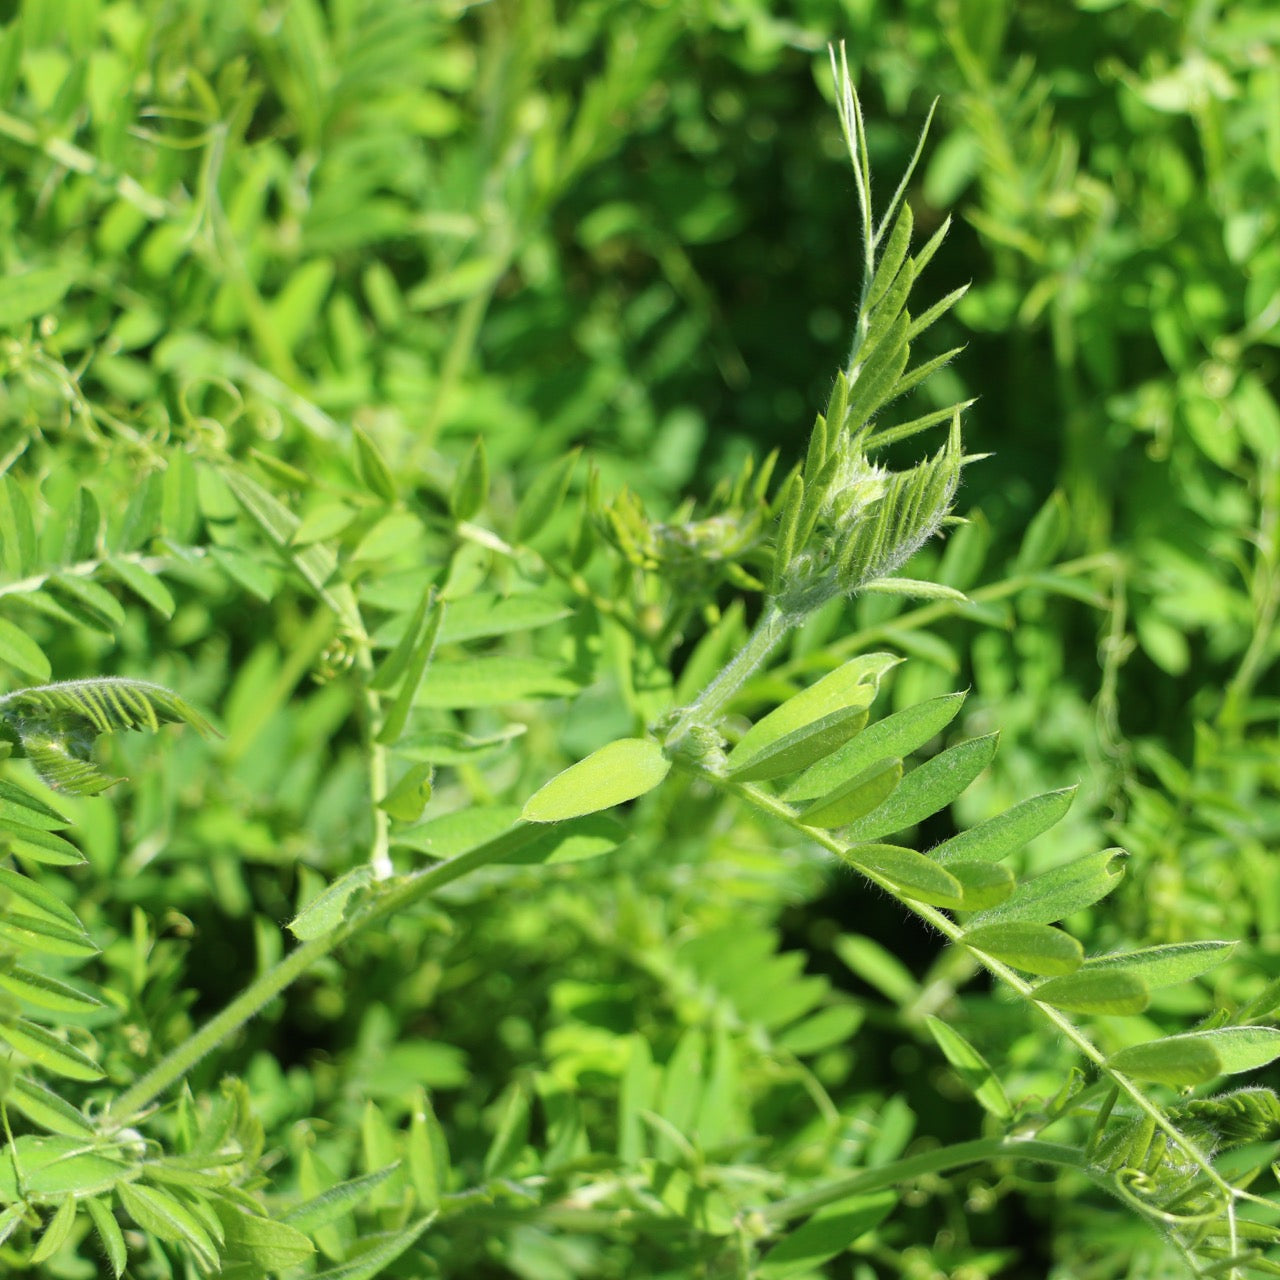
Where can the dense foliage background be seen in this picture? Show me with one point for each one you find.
(321, 249)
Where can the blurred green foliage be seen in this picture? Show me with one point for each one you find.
(316, 250)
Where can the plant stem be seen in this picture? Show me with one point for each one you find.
(943, 923)
(170, 1069)
(923, 615)
(396, 898)
(980, 1150)
(707, 707)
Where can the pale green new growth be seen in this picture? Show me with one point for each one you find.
(55, 725)
(846, 523)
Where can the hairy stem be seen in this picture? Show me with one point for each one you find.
(943, 923)
(708, 706)
(394, 899)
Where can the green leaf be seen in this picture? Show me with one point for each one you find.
(416, 659)
(17, 529)
(509, 841)
(260, 580)
(45, 992)
(909, 873)
(46, 1050)
(371, 467)
(984, 884)
(1034, 948)
(928, 789)
(165, 1216)
(470, 277)
(895, 736)
(33, 845)
(830, 1231)
(1167, 965)
(543, 498)
(446, 746)
(471, 485)
(378, 1252)
(56, 1234)
(491, 681)
(800, 748)
(91, 602)
(1057, 893)
(1197, 1057)
(510, 1132)
(109, 1234)
(11, 1219)
(144, 584)
(21, 652)
(852, 685)
(877, 967)
(396, 663)
(464, 829)
(41, 901)
(44, 936)
(574, 840)
(1045, 535)
(33, 293)
(322, 523)
(834, 1025)
(913, 588)
(1007, 832)
(617, 772)
(55, 1167)
(337, 1201)
(483, 614)
(1095, 991)
(892, 256)
(45, 1108)
(637, 1094)
(326, 911)
(428, 1154)
(407, 799)
(17, 805)
(971, 1067)
(856, 798)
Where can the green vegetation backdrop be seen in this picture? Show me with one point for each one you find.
(423, 392)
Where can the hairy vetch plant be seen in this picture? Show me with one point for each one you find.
(685, 1106)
